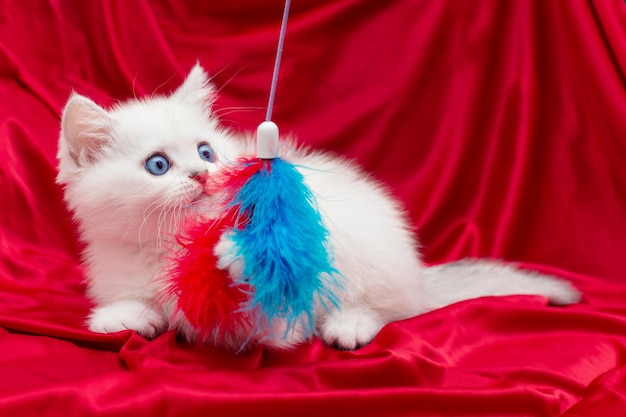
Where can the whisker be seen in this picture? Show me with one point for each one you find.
(220, 71)
(243, 108)
(228, 110)
(169, 221)
(231, 78)
(162, 84)
(157, 204)
(235, 122)
(133, 86)
(162, 219)
(178, 218)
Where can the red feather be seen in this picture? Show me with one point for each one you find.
(208, 297)
(232, 179)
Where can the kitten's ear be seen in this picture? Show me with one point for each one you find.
(196, 90)
(85, 128)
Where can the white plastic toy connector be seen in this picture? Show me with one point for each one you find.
(267, 140)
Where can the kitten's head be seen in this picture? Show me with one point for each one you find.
(134, 171)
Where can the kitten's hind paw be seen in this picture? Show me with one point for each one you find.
(350, 329)
(127, 315)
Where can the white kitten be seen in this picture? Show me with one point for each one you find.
(134, 173)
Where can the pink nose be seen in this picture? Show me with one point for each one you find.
(201, 177)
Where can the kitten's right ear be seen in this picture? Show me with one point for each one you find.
(196, 90)
(85, 128)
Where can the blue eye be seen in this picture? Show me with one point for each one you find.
(157, 165)
(206, 153)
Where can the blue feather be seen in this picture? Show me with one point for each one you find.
(284, 246)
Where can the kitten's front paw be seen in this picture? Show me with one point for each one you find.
(350, 329)
(227, 258)
(127, 315)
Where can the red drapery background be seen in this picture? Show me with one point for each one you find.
(500, 124)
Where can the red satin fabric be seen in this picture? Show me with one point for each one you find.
(501, 125)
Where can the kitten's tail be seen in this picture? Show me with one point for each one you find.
(466, 279)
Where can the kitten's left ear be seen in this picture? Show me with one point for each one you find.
(85, 130)
(196, 90)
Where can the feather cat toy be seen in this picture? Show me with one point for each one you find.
(277, 231)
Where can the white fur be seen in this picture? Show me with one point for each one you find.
(128, 217)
